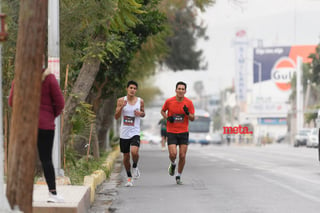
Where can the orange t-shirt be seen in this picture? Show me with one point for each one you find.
(175, 109)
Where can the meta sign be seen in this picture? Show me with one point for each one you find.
(278, 64)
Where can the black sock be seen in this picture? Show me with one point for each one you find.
(134, 165)
(129, 174)
(54, 192)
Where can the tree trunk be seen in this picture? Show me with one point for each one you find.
(80, 92)
(104, 119)
(95, 147)
(26, 100)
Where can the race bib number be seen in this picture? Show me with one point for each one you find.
(178, 118)
(128, 121)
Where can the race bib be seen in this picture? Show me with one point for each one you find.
(128, 121)
(178, 118)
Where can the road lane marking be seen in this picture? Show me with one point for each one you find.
(294, 190)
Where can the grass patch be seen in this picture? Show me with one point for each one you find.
(86, 166)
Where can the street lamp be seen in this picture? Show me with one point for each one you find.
(259, 73)
(259, 64)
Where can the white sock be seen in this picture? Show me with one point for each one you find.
(179, 174)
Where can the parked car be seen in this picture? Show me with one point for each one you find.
(313, 140)
(281, 138)
(302, 137)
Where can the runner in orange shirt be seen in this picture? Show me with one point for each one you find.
(178, 110)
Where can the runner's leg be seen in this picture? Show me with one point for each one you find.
(125, 149)
(126, 163)
(135, 155)
(162, 141)
(172, 152)
(182, 157)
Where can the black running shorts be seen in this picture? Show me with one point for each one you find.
(178, 138)
(163, 133)
(125, 143)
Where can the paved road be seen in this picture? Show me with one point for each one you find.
(221, 179)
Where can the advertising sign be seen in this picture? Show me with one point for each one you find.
(241, 48)
(272, 79)
(54, 65)
(278, 64)
(273, 121)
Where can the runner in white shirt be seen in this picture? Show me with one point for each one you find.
(130, 108)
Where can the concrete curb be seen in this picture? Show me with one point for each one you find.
(98, 176)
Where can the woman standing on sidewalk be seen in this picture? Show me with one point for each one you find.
(51, 105)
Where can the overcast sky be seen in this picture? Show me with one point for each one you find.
(275, 22)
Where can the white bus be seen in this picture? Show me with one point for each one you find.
(201, 129)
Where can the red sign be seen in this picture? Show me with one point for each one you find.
(282, 73)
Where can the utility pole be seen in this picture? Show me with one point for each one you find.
(54, 65)
(299, 94)
(26, 103)
(223, 112)
(258, 134)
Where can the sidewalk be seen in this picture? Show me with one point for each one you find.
(78, 199)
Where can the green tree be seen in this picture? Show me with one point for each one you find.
(107, 52)
(105, 43)
(182, 18)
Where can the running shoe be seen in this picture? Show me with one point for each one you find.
(129, 182)
(136, 173)
(55, 198)
(178, 180)
(171, 169)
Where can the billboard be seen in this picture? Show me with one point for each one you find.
(278, 64)
(273, 70)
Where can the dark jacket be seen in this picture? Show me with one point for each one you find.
(52, 102)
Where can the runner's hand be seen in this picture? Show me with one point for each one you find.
(124, 103)
(186, 110)
(170, 119)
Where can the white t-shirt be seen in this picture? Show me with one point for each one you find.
(130, 124)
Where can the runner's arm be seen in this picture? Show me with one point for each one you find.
(191, 117)
(120, 105)
(142, 113)
(164, 114)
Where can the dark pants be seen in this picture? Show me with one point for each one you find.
(45, 145)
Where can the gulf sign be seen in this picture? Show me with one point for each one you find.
(282, 73)
(278, 64)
